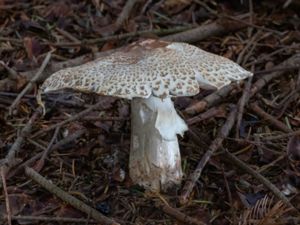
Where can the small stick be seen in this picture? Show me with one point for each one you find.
(48, 98)
(159, 32)
(241, 105)
(75, 117)
(8, 211)
(271, 119)
(12, 73)
(108, 118)
(206, 7)
(250, 43)
(205, 115)
(30, 84)
(207, 30)
(178, 215)
(58, 145)
(210, 100)
(69, 198)
(274, 162)
(9, 160)
(124, 15)
(267, 56)
(250, 29)
(260, 83)
(41, 162)
(53, 219)
(249, 24)
(277, 69)
(215, 145)
(234, 160)
(67, 35)
(18, 41)
(232, 210)
(282, 136)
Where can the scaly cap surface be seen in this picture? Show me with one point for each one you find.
(149, 67)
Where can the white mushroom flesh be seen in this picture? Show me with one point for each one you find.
(155, 160)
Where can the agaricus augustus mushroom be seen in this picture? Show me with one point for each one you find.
(150, 72)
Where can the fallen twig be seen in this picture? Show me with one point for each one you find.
(67, 35)
(158, 32)
(260, 83)
(241, 104)
(230, 200)
(8, 211)
(108, 118)
(58, 145)
(9, 161)
(250, 24)
(69, 198)
(41, 161)
(11, 73)
(268, 56)
(234, 160)
(30, 84)
(277, 69)
(204, 31)
(52, 219)
(175, 213)
(125, 12)
(271, 119)
(249, 44)
(282, 136)
(73, 118)
(50, 98)
(18, 41)
(215, 145)
(210, 100)
(205, 115)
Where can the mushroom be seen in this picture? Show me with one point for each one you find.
(150, 72)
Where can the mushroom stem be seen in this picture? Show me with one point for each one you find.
(155, 160)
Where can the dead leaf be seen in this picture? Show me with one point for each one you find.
(293, 148)
(33, 47)
(68, 211)
(58, 10)
(172, 3)
(21, 82)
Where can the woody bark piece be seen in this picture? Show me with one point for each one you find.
(205, 31)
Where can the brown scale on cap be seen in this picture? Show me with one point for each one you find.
(149, 67)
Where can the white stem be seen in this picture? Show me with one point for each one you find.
(155, 160)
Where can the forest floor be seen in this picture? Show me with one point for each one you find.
(70, 166)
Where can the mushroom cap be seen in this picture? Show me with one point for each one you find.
(148, 67)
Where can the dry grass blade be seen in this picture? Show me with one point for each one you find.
(265, 212)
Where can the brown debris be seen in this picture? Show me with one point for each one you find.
(68, 198)
(82, 145)
(179, 215)
(214, 146)
(269, 118)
